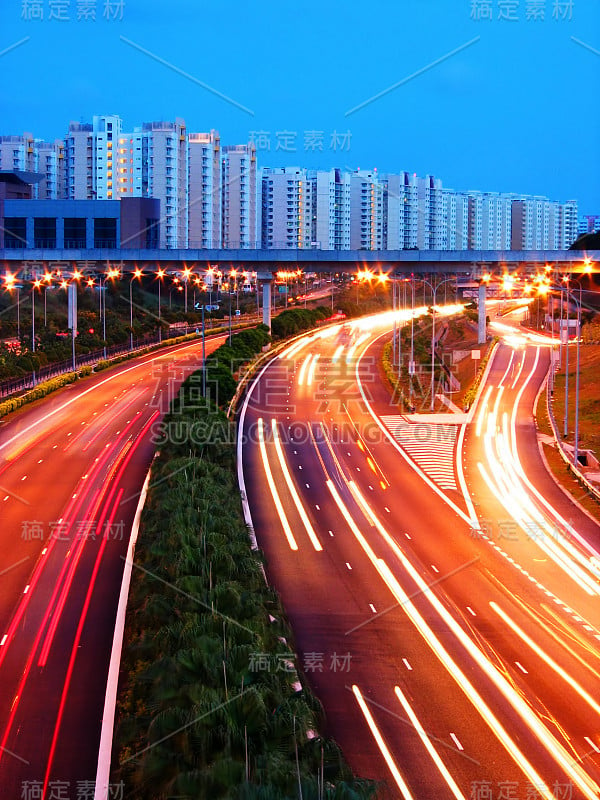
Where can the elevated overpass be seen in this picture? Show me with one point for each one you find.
(466, 262)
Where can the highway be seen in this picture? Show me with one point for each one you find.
(442, 589)
(71, 471)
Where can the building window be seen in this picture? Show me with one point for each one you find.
(105, 232)
(75, 233)
(44, 232)
(15, 232)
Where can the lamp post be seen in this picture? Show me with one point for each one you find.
(434, 290)
(159, 275)
(137, 274)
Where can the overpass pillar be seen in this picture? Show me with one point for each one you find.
(482, 333)
(266, 291)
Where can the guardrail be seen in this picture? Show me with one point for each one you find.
(12, 386)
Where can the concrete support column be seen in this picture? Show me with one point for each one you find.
(482, 333)
(266, 291)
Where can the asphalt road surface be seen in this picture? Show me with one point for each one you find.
(442, 589)
(71, 470)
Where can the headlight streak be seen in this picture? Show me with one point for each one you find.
(273, 489)
(580, 778)
(303, 369)
(435, 645)
(451, 783)
(336, 356)
(292, 489)
(510, 361)
(507, 487)
(311, 372)
(400, 782)
(546, 658)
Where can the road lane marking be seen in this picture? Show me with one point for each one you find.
(521, 667)
(406, 664)
(592, 744)
(348, 565)
(456, 741)
(470, 610)
(372, 607)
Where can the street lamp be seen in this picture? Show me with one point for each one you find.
(160, 273)
(186, 276)
(137, 274)
(36, 285)
(434, 290)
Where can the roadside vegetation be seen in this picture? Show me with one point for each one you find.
(210, 704)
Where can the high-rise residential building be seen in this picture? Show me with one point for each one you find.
(429, 214)
(168, 178)
(288, 208)
(541, 224)
(402, 211)
(50, 162)
(331, 209)
(490, 217)
(17, 153)
(204, 190)
(238, 196)
(367, 196)
(455, 220)
(589, 223)
(90, 153)
(27, 154)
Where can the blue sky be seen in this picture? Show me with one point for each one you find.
(497, 104)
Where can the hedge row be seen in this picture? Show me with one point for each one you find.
(296, 320)
(224, 363)
(199, 715)
(42, 389)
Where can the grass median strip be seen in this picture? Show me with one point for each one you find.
(210, 704)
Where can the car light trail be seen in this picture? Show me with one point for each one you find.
(311, 372)
(451, 783)
(588, 787)
(273, 489)
(292, 489)
(400, 782)
(337, 354)
(303, 369)
(434, 643)
(546, 658)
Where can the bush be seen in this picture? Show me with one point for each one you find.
(199, 612)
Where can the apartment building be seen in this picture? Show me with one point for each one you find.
(238, 196)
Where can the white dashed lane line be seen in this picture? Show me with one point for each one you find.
(406, 664)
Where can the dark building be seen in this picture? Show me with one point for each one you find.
(133, 222)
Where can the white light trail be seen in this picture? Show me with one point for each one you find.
(292, 489)
(275, 494)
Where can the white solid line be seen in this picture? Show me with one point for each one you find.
(110, 702)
